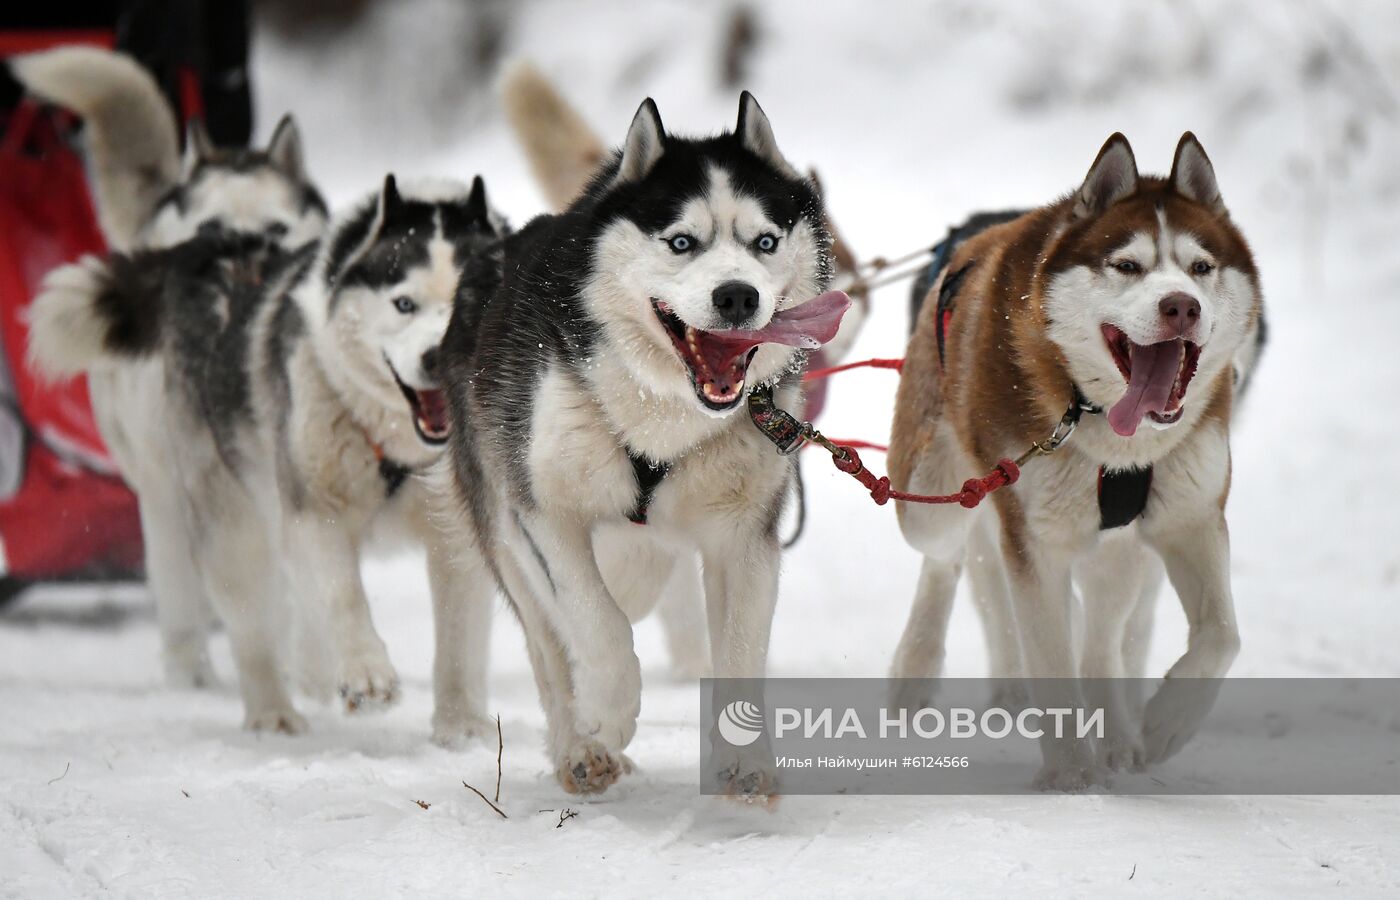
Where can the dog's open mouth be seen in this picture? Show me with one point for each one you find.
(429, 408)
(1157, 376)
(718, 361)
(718, 365)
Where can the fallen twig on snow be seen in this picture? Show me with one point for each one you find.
(424, 804)
(486, 800)
(64, 775)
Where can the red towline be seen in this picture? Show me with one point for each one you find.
(845, 457)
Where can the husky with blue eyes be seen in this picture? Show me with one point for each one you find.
(598, 370)
(295, 396)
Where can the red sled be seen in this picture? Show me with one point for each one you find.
(72, 517)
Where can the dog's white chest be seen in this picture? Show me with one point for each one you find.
(581, 461)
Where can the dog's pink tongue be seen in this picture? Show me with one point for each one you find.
(807, 326)
(1153, 370)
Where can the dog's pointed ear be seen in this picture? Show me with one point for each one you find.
(478, 209)
(284, 149)
(198, 145)
(756, 135)
(390, 202)
(1113, 176)
(1193, 177)
(646, 141)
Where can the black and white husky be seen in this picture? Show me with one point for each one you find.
(597, 370)
(294, 395)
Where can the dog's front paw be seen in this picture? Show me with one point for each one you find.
(1122, 751)
(1070, 778)
(368, 681)
(1174, 713)
(277, 719)
(588, 767)
(457, 730)
(749, 779)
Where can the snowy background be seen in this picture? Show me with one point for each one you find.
(915, 114)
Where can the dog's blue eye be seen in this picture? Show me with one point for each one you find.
(1201, 267)
(767, 242)
(405, 305)
(681, 243)
(1127, 266)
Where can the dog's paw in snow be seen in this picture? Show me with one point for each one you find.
(751, 781)
(590, 768)
(368, 681)
(279, 720)
(1122, 752)
(458, 730)
(1174, 713)
(1070, 778)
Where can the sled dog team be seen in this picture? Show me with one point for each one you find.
(559, 414)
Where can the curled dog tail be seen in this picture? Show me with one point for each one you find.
(131, 131)
(563, 150)
(92, 313)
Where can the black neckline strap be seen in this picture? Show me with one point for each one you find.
(649, 476)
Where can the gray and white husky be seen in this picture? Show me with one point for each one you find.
(295, 396)
(598, 369)
(147, 197)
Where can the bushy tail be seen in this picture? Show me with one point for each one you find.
(92, 313)
(563, 150)
(131, 130)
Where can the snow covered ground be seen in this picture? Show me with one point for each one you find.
(915, 114)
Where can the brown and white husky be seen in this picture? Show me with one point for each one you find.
(1120, 308)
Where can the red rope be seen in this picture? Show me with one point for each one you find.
(896, 364)
(973, 490)
(863, 445)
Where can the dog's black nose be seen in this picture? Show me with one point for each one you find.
(429, 363)
(736, 301)
(1179, 310)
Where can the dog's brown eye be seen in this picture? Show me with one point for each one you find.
(1201, 267)
(1128, 266)
(405, 305)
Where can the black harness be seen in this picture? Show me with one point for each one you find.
(394, 475)
(1122, 492)
(649, 476)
